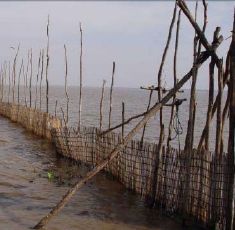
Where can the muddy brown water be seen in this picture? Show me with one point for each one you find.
(27, 193)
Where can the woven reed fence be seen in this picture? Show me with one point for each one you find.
(36, 121)
(135, 166)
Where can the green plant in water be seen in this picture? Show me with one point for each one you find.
(50, 175)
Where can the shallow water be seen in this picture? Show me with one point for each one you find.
(27, 194)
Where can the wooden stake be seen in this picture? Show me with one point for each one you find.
(80, 91)
(111, 95)
(47, 66)
(66, 90)
(18, 91)
(40, 87)
(30, 79)
(14, 74)
(39, 63)
(9, 82)
(101, 104)
(123, 119)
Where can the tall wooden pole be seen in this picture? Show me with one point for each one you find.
(111, 95)
(47, 65)
(101, 105)
(65, 85)
(80, 91)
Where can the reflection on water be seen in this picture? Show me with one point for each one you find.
(27, 194)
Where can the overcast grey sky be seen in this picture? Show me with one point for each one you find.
(133, 34)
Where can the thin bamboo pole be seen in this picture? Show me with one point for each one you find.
(14, 74)
(65, 84)
(123, 119)
(101, 104)
(18, 89)
(47, 66)
(26, 78)
(111, 95)
(175, 78)
(156, 174)
(30, 78)
(39, 64)
(9, 81)
(80, 91)
(41, 77)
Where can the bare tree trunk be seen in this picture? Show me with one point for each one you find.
(111, 95)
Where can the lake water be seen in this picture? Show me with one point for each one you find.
(136, 101)
(27, 194)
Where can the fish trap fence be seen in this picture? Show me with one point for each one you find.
(160, 179)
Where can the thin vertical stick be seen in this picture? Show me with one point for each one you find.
(47, 65)
(111, 95)
(123, 119)
(101, 104)
(56, 108)
(65, 85)
(161, 137)
(30, 79)
(39, 63)
(80, 91)
(40, 87)
(26, 77)
(18, 90)
(14, 74)
(175, 79)
(9, 82)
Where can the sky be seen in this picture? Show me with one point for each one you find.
(133, 34)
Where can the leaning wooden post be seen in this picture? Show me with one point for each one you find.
(65, 85)
(80, 91)
(152, 112)
(230, 225)
(47, 65)
(111, 95)
(148, 106)
(101, 104)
